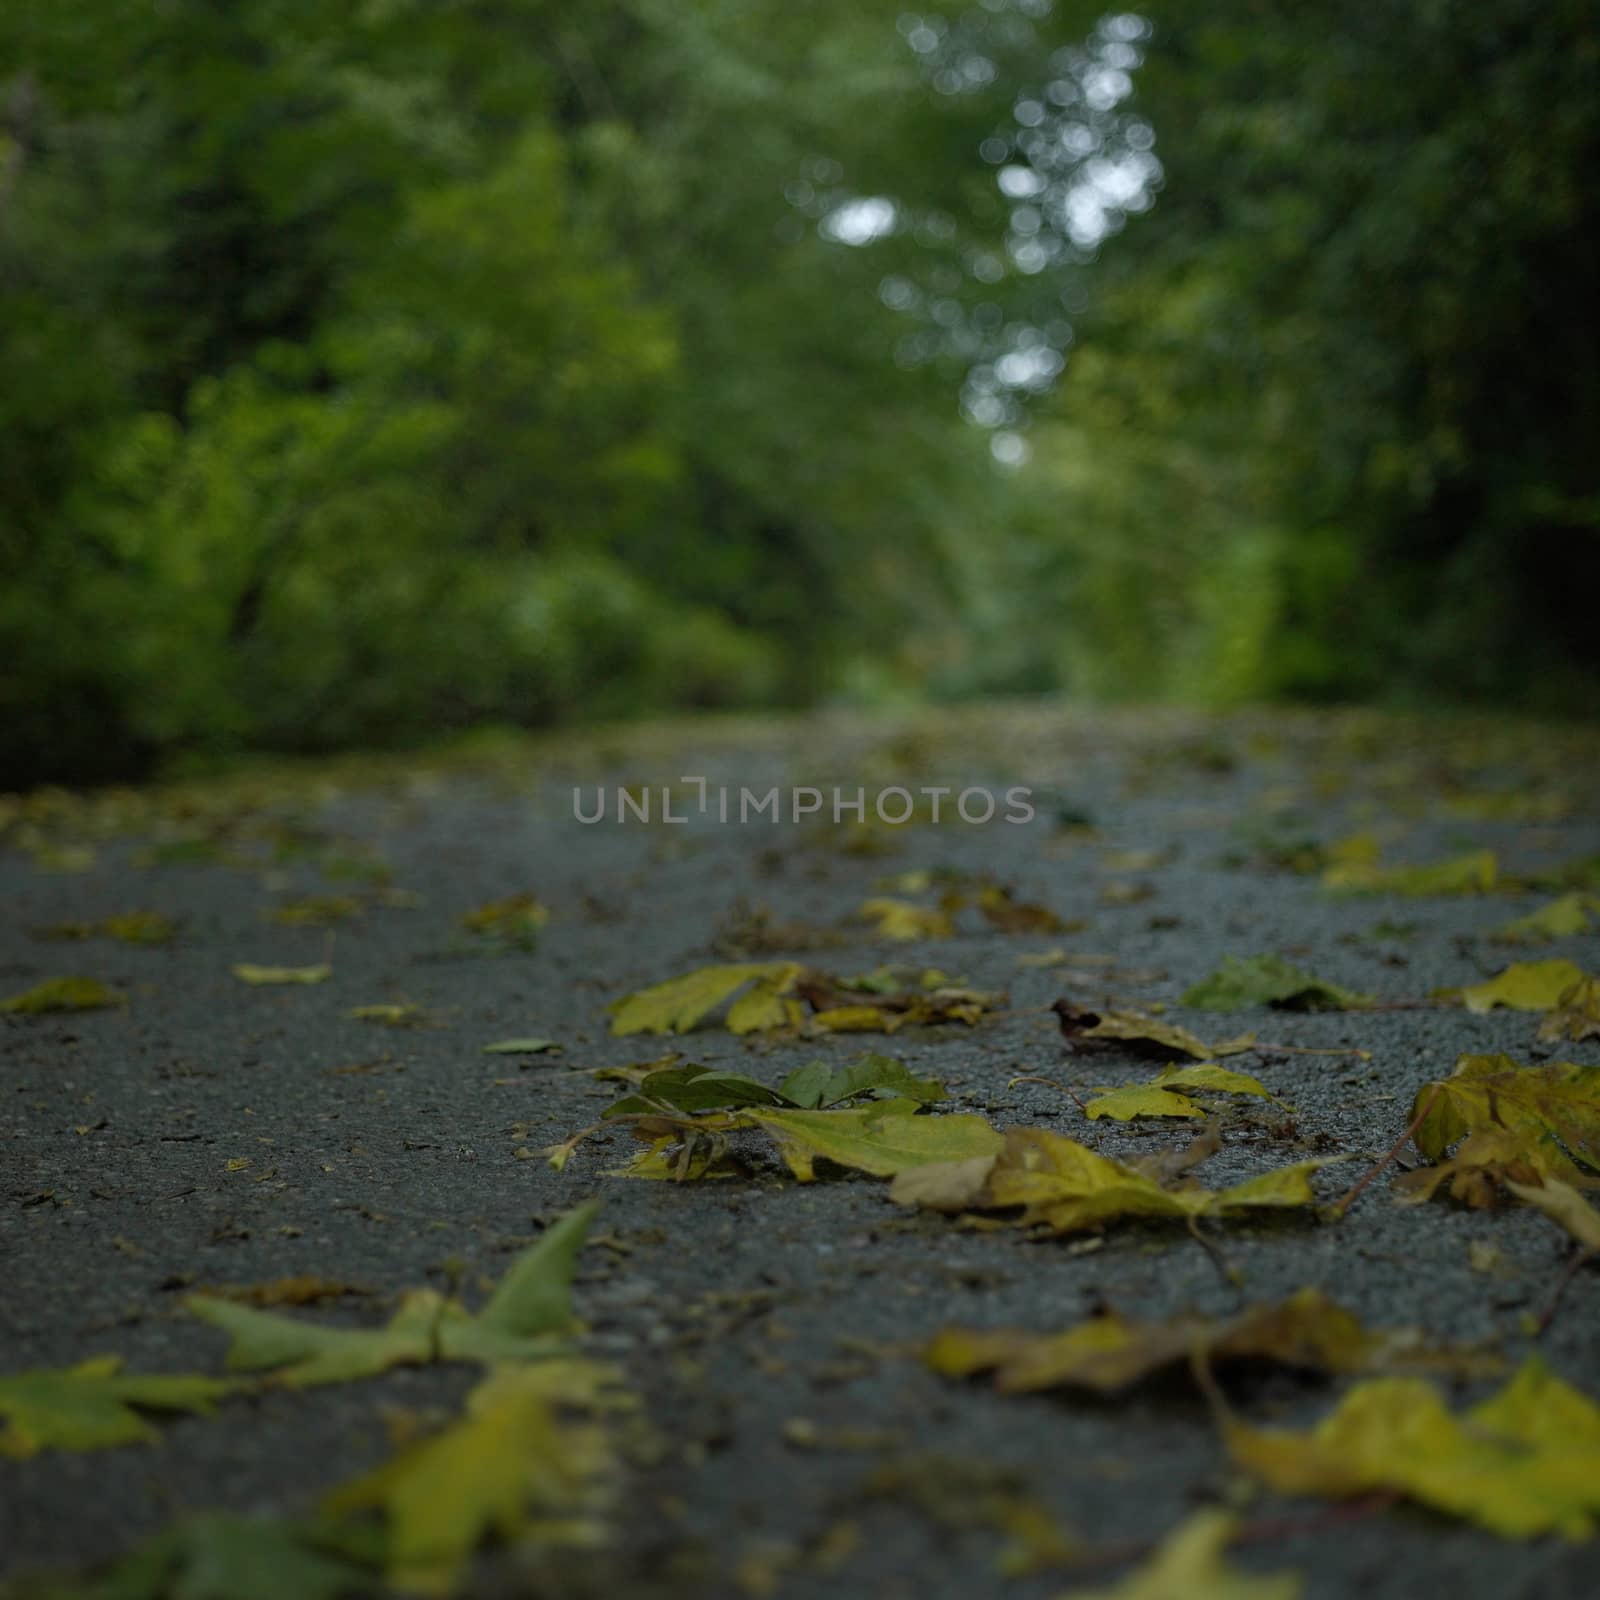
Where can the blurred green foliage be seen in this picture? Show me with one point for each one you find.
(371, 371)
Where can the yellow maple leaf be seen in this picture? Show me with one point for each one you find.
(1523, 986)
(1162, 1097)
(678, 1004)
(1067, 1187)
(1525, 1462)
(1576, 1015)
(1550, 1112)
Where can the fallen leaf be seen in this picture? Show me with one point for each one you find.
(1563, 1204)
(1557, 919)
(1474, 873)
(317, 911)
(1525, 1462)
(1161, 1097)
(1269, 980)
(248, 972)
(1148, 1035)
(1523, 986)
(521, 1047)
(224, 1556)
(900, 919)
(1188, 1565)
(64, 994)
(1120, 892)
(392, 1014)
(883, 1139)
(128, 927)
(516, 919)
(678, 1004)
(94, 1405)
(517, 1466)
(1576, 1016)
(1110, 1352)
(526, 1315)
(1003, 911)
(1553, 1111)
(1066, 1187)
(1482, 1165)
(818, 1085)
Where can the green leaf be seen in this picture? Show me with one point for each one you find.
(222, 1556)
(521, 1047)
(691, 1088)
(883, 1138)
(1269, 980)
(94, 1405)
(815, 1085)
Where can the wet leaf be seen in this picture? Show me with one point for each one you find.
(530, 1308)
(677, 1005)
(518, 1467)
(1064, 1186)
(1269, 980)
(64, 994)
(1523, 986)
(1189, 1566)
(1474, 873)
(1525, 1462)
(1149, 1035)
(1110, 1352)
(900, 919)
(1162, 1097)
(1552, 1110)
(249, 972)
(93, 1405)
(1556, 919)
(521, 1047)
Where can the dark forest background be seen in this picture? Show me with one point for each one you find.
(373, 371)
